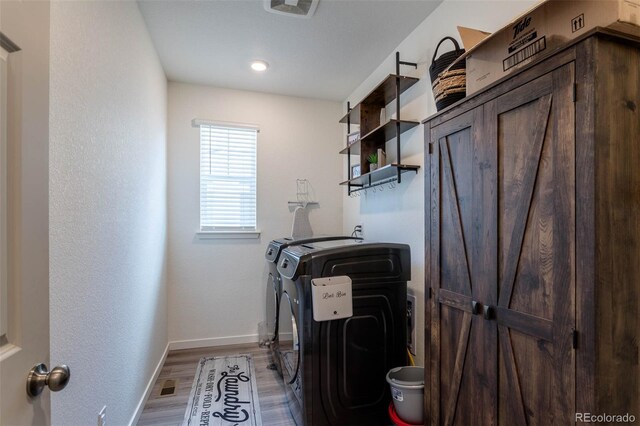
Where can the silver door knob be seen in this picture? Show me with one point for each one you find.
(39, 377)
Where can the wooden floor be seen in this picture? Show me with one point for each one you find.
(182, 364)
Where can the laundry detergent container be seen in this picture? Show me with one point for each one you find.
(407, 392)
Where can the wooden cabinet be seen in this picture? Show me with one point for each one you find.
(375, 132)
(533, 243)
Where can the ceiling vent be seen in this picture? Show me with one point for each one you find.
(297, 8)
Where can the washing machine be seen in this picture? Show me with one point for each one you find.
(334, 371)
(272, 254)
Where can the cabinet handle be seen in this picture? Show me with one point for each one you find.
(489, 312)
(476, 307)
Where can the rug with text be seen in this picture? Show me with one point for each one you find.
(224, 393)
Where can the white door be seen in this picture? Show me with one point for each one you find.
(24, 299)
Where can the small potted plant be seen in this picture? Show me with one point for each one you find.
(373, 161)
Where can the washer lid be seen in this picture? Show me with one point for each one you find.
(360, 260)
(275, 247)
(321, 245)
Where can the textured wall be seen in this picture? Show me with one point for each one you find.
(398, 215)
(107, 209)
(217, 287)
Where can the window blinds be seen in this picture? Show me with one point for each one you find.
(227, 177)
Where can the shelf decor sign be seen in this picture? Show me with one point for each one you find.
(355, 171)
(353, 137)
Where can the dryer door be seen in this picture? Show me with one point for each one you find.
(273, 290)
(289, 339)
(289, 350)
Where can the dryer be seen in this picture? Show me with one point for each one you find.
(272, 254)
(334, 371)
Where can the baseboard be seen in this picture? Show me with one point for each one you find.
(213, 341)
(147, 392)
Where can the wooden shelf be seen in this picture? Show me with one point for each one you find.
(380, 135)
(375, 135)
(382, 95)
(387, 173)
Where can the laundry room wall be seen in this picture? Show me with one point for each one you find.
(217, 287)
(398, 215)
(107, 209)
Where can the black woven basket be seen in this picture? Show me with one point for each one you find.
(448, 86)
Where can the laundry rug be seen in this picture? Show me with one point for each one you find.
(224, 393)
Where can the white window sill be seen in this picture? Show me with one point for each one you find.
(214, 235)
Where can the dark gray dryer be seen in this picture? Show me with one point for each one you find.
(274, 249)
(334, 371)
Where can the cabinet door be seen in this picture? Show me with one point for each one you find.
(502, 235)
(533, 129)
(460, 273)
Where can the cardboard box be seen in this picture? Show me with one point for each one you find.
(471, 37)
(542, 29)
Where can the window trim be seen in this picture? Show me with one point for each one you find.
(232, 233)
(236, 235)
(197, 122)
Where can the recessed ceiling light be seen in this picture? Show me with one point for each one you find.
(294, 8)
(259, 65)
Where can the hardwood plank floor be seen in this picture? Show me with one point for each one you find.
(181, 365)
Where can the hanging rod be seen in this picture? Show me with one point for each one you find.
(382, 182)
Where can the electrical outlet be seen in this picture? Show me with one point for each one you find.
(102, 417)
(412, 333)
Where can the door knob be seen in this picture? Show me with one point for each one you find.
(39, 377)
(476, 307)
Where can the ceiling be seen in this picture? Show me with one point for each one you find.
(326, 57)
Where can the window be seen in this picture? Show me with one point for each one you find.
(227, 177)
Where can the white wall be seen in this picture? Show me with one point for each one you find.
(107, 209)
(217, 287)
(398, 214)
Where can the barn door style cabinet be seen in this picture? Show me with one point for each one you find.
(533, 243)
